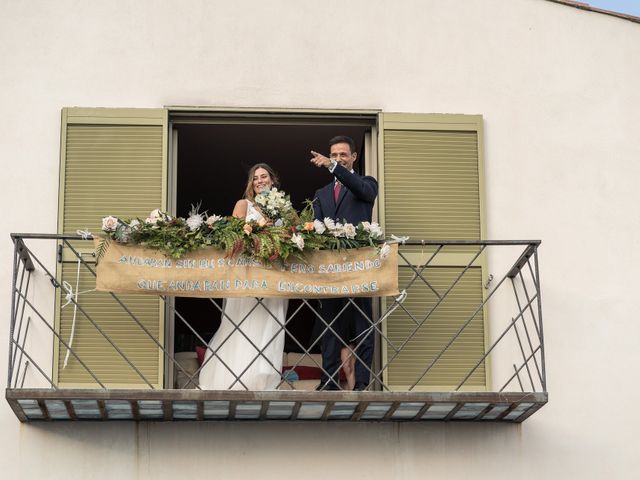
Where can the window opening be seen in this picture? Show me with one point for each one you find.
(212, 163)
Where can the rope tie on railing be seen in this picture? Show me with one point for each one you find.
(85, 234)
(396, 303)
(72, 295)
(397, 239)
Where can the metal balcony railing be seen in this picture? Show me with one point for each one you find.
(439, 354)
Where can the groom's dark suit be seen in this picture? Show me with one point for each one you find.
(354, 205)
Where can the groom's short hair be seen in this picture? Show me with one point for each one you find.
(343, 139)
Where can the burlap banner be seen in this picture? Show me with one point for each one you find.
(209, 273)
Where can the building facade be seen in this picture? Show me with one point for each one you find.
(554, 114)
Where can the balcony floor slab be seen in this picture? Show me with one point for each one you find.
(199, 405)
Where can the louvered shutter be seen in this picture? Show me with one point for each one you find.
(113, 163)
(431, 190)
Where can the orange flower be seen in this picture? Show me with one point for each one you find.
(308, 226)
(247, 229)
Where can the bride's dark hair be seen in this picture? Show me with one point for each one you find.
(249, 194)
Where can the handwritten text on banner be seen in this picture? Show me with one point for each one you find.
(208, 272)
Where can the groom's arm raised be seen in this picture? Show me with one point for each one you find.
(365, 188)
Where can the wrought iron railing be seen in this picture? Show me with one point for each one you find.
(444, 284)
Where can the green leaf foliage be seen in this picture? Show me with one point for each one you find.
(177, 236)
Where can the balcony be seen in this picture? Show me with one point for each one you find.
(463, 342)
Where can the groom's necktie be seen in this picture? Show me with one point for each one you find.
(336, 190)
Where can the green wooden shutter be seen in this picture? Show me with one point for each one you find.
(113, 162)
(431, 189)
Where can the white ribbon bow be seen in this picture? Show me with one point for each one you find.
(401, 240)
(85, 234)
(72, 296)
(70, 293)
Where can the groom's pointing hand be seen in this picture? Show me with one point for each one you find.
(320, 160)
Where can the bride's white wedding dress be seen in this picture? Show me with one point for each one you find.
(234, 350)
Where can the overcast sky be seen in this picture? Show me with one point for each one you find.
(631, 7)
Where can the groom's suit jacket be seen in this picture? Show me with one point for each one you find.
(355, 203)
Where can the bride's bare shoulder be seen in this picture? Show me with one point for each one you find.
(240, 210)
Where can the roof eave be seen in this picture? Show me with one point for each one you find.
(586, 6)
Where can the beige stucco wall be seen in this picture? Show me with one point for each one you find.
(558, 89)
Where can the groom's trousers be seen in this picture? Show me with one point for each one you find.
(350, 327)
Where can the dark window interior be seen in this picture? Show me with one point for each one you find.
(213, 163)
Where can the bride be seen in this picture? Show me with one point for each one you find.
(250, 341)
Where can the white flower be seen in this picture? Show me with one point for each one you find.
(125, 235)
(154, 217)
(330, 224)
(274, 203)
(385, 250)
(366, 226)
(376, 230)
(349, 230)
(338, 230)
(319, 226)
(298, 240)
(279, 222)
(213, 219)
(194, 221)
(134, 224)
(109, 223)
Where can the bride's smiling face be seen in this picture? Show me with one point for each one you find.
(261, 180)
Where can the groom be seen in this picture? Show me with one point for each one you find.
(349, 198)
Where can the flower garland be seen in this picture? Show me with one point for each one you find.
(290, 234)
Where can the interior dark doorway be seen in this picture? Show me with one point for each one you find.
(213, 161)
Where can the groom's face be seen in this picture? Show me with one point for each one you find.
(341, 153)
